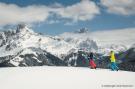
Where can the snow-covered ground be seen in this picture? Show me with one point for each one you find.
(46, 77)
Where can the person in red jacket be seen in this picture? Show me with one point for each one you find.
(91, 61)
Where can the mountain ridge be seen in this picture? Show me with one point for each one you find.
(24, 47)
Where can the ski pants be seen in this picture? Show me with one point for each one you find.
(92, 64)
(114, 66)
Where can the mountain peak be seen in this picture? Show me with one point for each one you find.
(23, 28)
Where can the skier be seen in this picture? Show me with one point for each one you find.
(91, 61)
(113, 61)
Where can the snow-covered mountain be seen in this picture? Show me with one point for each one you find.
(25, 37)
(24, 47)
(101, 41)
(24, 41)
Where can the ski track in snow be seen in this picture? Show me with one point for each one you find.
(46, 77)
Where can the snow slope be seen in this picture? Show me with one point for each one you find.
(46, 77)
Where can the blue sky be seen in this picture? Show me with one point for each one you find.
(100, 14)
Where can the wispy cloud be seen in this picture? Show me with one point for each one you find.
(85, 10)
(122, 7)
(13, 14)
(52, 21)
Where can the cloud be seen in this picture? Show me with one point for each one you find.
(13, 14)
(85, 10)
(122, 7)
(69, 23)
(52, 21)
